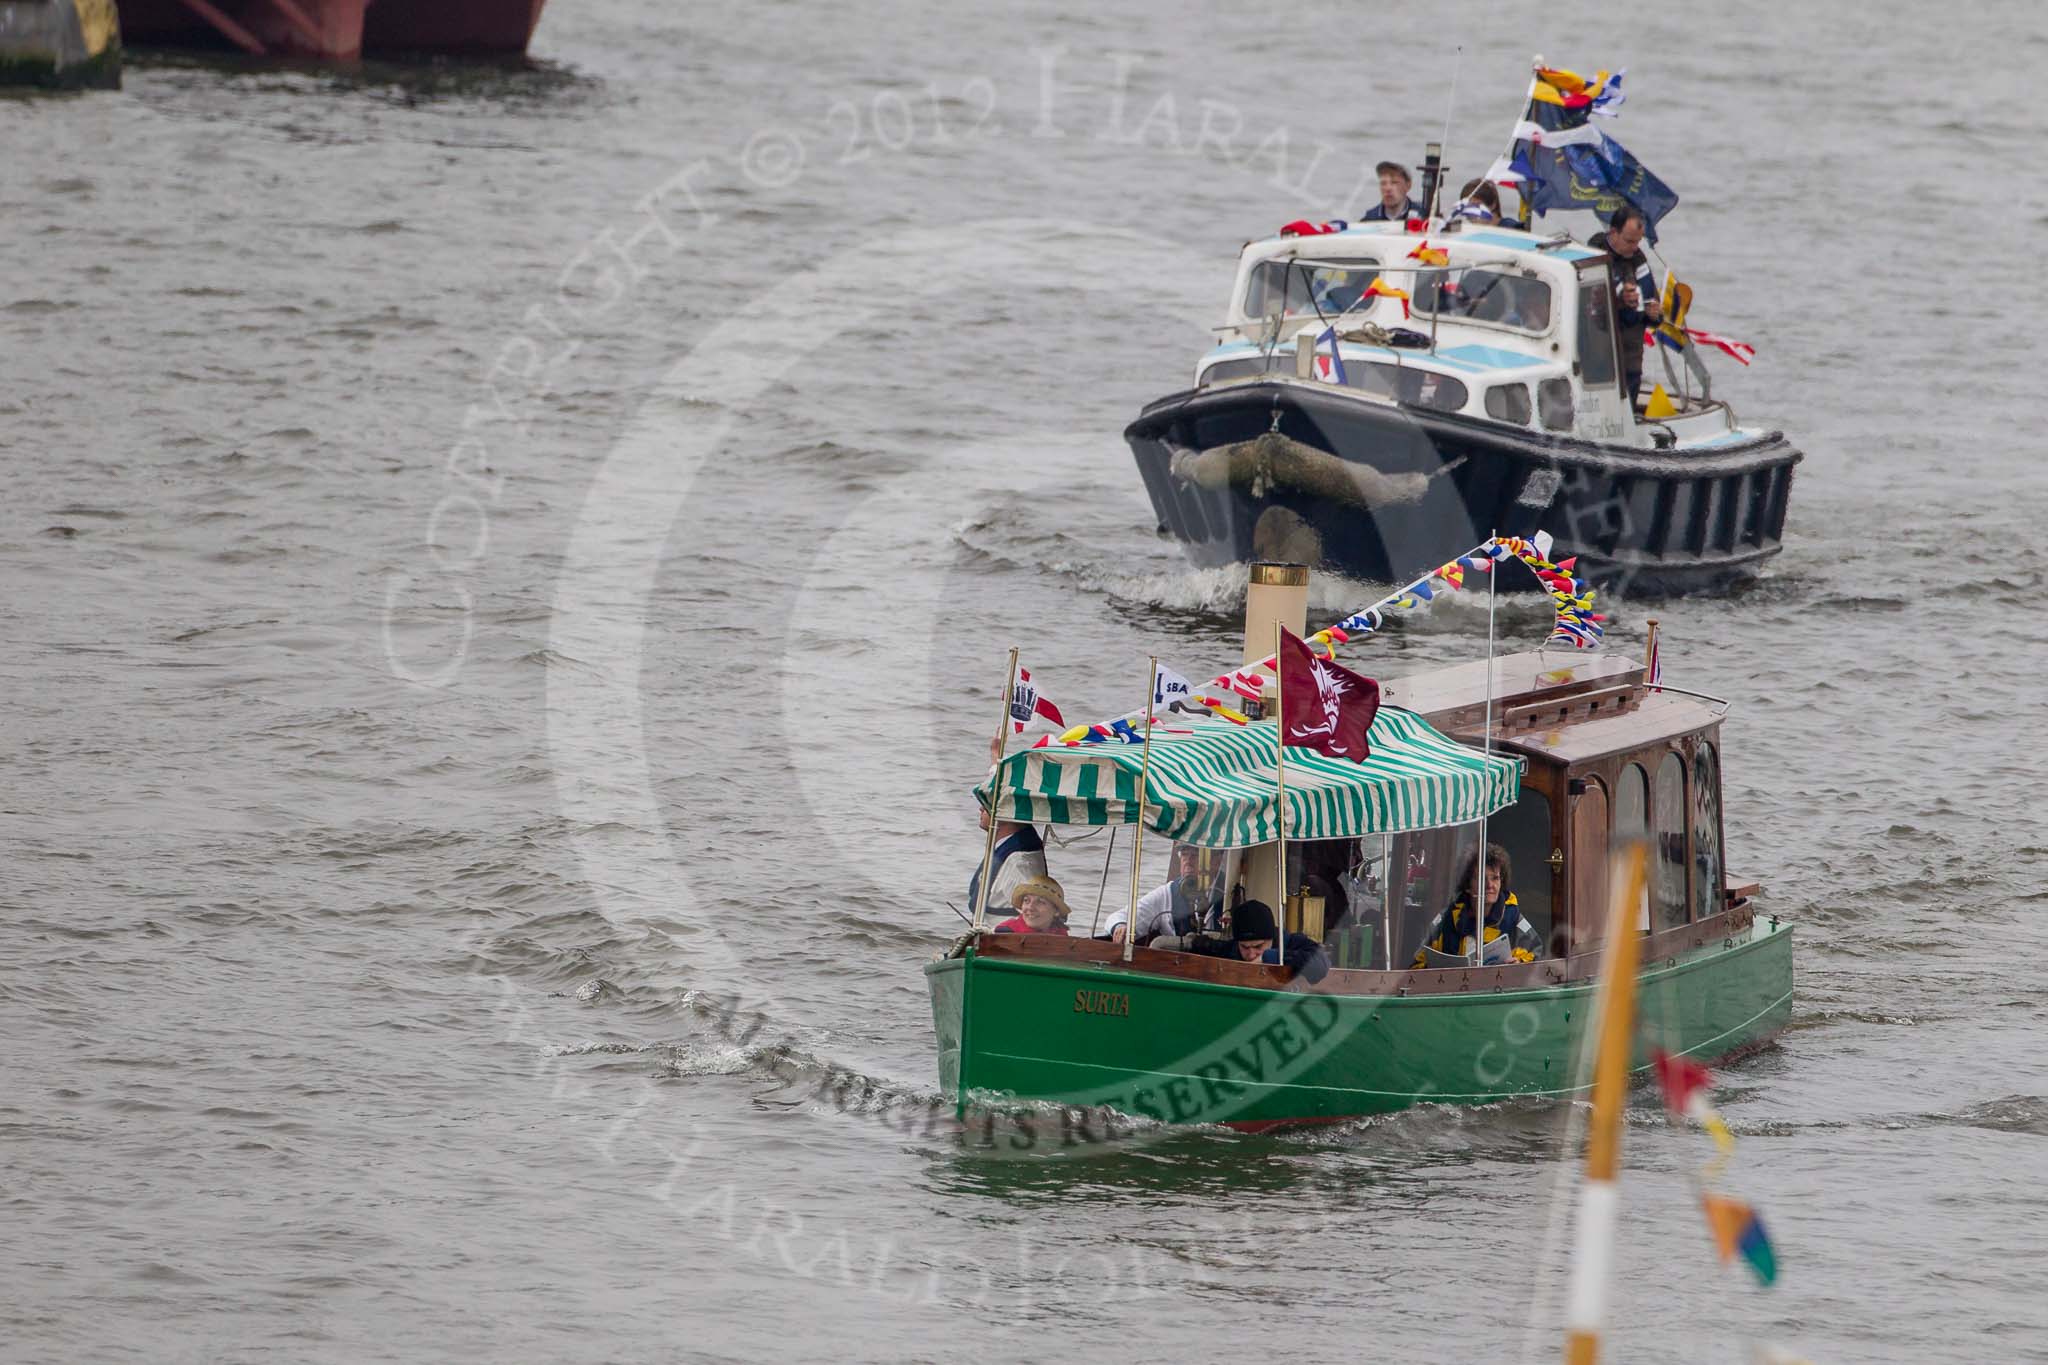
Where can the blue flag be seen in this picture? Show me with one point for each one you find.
(1601, 176)
(1565, 162)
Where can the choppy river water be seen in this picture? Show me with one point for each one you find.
(503, 570)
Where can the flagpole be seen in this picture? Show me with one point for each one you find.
(988, 854)
(1103, 890)
(1138, 840)
(1528, 102)
(1486, 749)
(1280, 806)
(1593, 1249)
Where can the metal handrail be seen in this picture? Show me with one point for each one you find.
(1725, 704)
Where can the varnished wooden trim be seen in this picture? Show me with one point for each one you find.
(1659, 949)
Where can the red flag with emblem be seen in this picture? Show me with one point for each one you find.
(1324, 706)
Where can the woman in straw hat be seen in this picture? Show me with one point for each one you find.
(1040, 906)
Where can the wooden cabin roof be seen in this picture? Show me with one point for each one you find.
(1653, 716)
(1445, 696)
(1553, 706)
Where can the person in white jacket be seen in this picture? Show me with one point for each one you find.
(1179, 905)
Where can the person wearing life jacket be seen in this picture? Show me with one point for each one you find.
(1041, 908)
(1509, 935)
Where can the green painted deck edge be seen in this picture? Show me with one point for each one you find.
(1755, 976)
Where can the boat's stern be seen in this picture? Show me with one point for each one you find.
(946, 979)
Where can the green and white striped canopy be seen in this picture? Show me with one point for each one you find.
(1216, 786)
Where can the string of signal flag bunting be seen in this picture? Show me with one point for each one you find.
(1576, 625)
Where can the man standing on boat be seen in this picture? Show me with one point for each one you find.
(1395, 206)
(1636, 303)
(1019, 856)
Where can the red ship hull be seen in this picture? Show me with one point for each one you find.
(335, 30)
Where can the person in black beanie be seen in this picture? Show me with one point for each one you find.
(1253, 939)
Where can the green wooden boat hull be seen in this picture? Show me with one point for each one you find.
(1013, 1029)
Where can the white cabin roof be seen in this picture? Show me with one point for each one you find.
(1509, 334)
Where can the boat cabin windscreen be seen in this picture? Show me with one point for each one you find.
(1598, 363)
(1410, 879)
(1418, 388)
(1279, 362)
(1486, 295)
(1306, 287)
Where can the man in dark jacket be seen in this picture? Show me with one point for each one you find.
(1395, 206)
(1253, 939)
(1635, 290)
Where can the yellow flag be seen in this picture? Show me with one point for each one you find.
(1660, 404)
(1677, 302)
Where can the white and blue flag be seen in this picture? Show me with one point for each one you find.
(1329, 364)
(1169, 688)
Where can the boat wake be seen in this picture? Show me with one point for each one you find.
(2008, 1114)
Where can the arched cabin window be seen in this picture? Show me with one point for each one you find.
(1589, 863)
(1668, 852)
(1707, 877)
(1631, 819)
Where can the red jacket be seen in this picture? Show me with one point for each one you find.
(1016, 925)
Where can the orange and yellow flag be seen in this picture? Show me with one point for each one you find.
(1388, 291)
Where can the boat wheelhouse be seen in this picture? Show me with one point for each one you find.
(1376, 392)
(1564, 756)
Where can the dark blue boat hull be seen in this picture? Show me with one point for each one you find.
(1280, 469)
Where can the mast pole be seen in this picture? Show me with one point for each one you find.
(1486, 749)
(1436, 195)
(1528, 103)
(1138, 839)
(1387, 903)
(995, 749)
(1593, 1248)
(1280, 804)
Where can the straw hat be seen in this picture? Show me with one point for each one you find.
(1041, 886)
